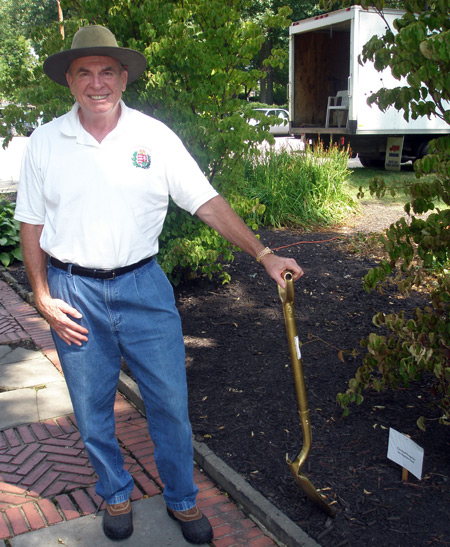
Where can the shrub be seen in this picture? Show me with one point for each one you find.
(188, 246)
(415, 348)
(9, 234)
(416, 50)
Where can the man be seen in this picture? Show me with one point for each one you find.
(92, 198)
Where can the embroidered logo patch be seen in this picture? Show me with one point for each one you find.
(141, 158)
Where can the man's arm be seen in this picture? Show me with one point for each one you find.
(55, 311)
(218, 214)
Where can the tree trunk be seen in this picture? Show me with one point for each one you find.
(60, 19)
(266, 90)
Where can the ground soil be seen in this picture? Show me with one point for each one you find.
(243, 403)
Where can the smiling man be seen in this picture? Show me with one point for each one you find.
(92, 200)
(97, 83)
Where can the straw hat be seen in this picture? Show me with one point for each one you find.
(89, 41)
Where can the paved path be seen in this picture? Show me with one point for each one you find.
(47, 495)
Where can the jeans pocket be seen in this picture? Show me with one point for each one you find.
(58, 283)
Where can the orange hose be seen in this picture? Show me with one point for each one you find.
(301, 243)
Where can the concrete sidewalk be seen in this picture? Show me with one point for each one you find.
(47, 484)
(11, 162)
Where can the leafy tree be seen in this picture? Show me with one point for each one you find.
(22, 24)
(19, 17)
(418, 53)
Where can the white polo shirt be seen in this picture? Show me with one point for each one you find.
(103, 205)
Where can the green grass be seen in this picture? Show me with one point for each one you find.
(394, 183)
(360, 178)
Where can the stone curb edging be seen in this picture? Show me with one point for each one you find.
(252, 502)
(19, 289)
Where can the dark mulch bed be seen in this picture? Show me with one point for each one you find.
(243, 405)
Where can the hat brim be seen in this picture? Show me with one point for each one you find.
(58, 64)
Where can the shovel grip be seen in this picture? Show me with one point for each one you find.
(287, 294)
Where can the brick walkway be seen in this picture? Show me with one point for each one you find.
(45, 476)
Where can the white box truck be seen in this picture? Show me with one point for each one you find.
(328, 89)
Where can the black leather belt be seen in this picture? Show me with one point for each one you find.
(96, 273)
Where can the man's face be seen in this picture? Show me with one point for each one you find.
(97, 83)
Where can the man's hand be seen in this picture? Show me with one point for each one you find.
(276, 266)
(58, 313)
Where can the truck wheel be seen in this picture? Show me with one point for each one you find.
(371, 162)
(423, 150)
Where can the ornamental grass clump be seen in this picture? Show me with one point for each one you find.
(300, 188)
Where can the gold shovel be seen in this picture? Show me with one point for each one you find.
(287, 299)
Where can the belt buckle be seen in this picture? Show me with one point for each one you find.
(112, 276)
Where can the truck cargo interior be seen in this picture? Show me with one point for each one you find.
(321, 71)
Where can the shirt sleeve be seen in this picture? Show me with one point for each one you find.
(30, 206)
(188, 186)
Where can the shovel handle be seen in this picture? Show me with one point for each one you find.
(287, 299)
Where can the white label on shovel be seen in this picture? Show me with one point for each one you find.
(405, 452)
(297, 347)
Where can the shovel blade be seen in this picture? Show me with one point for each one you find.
(309, 489)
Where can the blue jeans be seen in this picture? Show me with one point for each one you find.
(134, 316)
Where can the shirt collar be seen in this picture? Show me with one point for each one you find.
(71, 125)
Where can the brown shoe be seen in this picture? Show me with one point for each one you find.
(118, 520)
(194, 525)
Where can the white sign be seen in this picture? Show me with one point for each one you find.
(394, 149)
(405, 452)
